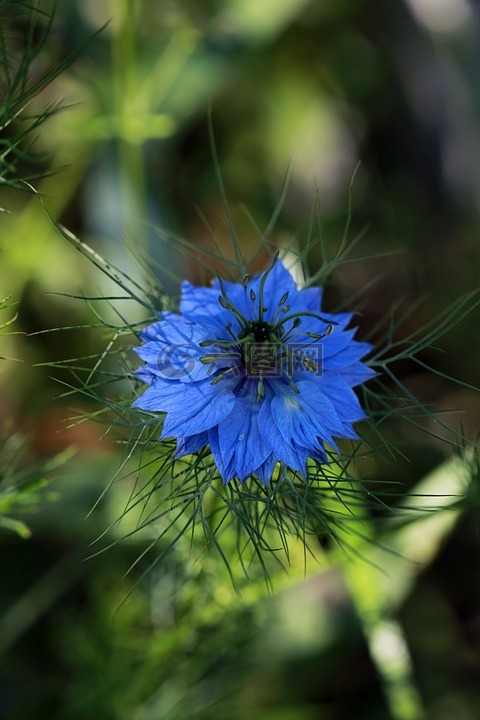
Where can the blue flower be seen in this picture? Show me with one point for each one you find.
(255, 372)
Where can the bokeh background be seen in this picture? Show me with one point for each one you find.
(390, 84)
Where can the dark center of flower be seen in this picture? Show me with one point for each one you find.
(263, 347)
(261, 331)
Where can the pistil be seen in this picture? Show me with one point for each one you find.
(259, 331)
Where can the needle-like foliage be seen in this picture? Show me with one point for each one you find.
(24, 31)
(252, 524)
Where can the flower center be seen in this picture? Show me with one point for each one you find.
(262, 350)
(261, 331)
(263, 347)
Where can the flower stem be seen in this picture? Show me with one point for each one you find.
(388, 650)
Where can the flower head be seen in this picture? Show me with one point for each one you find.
(254, 371)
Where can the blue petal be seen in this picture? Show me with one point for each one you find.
(151, 331)
(311, 299)
(341, 320)
(347, 356)
(304, 416)
(265, 471)
(323, 414)
(200, 305)
(238, 295)
(183, 361)
(337, 342)
(278, 282)
(225, 472)
(189, 445)
(144, 374)
(174, 362)
(357, 373)
(318, 453)
(346, 403)
(175, 353)
(280, 443)
(191, 407)
(240, 443)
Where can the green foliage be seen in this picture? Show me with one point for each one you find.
(180, 507)
(251, 526)
(24, 32)
(23, 481)
(152, 627)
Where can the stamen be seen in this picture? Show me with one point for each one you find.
(267, 272)
(228, 328)
(235, 341)
(287, 356)
(220, 377)
(209, 359)
(310, 314)
(310, 364)
(259, 331)
(260, 390)
(316, 336)
(297, 322)
(225, 303)
(281, 309)
(294, 387)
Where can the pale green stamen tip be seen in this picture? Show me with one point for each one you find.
(209, 359)
(260, 390)
(310, 364)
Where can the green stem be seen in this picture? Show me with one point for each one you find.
(388, 648)
(130, 149)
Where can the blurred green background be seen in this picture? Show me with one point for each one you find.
(324, 85)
